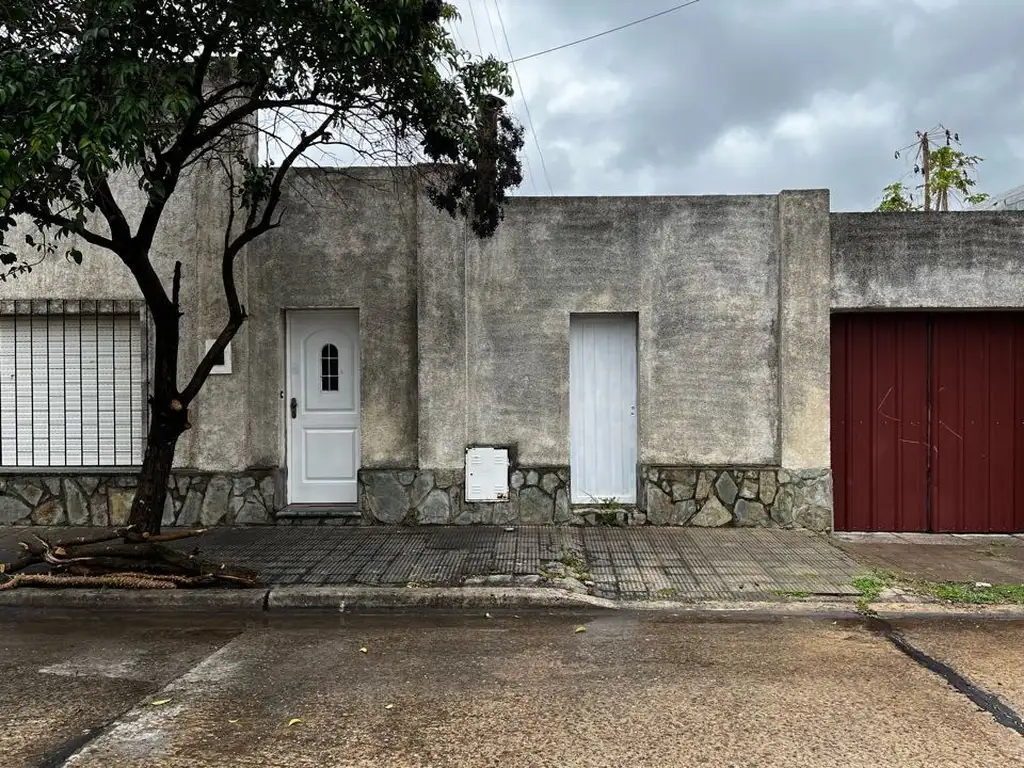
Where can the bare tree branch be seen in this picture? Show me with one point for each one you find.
(120, 232)
(240, 113)
(56, 220)
(254, 228)
(142, 269)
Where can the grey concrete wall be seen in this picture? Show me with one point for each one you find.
(961, 260)
(443, 375)
(221, 410)
(700, 272)
(804, 329)
(101, 274)
(348, 241)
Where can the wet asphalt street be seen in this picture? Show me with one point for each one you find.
(632, 690)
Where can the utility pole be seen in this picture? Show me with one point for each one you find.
(926, 169)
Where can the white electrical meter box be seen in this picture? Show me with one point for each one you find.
(486, 474)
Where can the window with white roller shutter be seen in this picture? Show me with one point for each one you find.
(72, 390)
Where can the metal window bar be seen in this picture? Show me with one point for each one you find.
(49, 395)
(2, 410)
(64, 373)
(131, 397)
(113, 382)
(147, 376)
(81, 418)
(37, 421)
(31, 385)
(96, 337)
(14, 365)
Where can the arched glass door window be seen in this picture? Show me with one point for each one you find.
(329, 368)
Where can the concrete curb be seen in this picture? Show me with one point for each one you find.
(832, 609)
(923, 610)
(361, 599)
(300, 597)
(356, 599)
(247, 600)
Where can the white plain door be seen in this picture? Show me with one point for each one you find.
(323, 406)
(602, 408)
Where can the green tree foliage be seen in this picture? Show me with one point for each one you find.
(93, 88)
(896, 198)
(946, 171)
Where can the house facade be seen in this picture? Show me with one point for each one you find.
(706, 361)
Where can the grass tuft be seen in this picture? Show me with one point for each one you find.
(957, 592)
(872, 584)
(794, 593)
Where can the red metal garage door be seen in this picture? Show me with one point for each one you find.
(928, 421)
(880, 422)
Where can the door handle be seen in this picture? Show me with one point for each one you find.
(295, 407)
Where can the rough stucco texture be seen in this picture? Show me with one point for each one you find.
(804, 329)
(702, 275)
(441, 335)
(965, 260)
(349, 242)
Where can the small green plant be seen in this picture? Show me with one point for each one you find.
(793, 593)
(608, 518)
(569, 563)
(572, 559)
(605, 502)
(871, 585)
(666, 593)
(606, 510)
(977, 593)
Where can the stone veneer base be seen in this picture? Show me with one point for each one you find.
(193, 499)
(668, 495)
(712, 497)
(709, 497)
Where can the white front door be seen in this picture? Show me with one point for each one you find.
(602, 408)
(323, 406)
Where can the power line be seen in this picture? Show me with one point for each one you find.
(497, 48)
(490, 25)
(519, 82)
(667, 11)
(455, 33)
(476, 31)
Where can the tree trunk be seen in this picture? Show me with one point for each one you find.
(148, 506)
(168, 419)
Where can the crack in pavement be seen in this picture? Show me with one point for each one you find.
(1001, 712)
(57, 757)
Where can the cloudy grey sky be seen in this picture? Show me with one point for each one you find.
(754, 96)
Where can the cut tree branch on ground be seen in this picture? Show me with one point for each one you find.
(122, 558)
